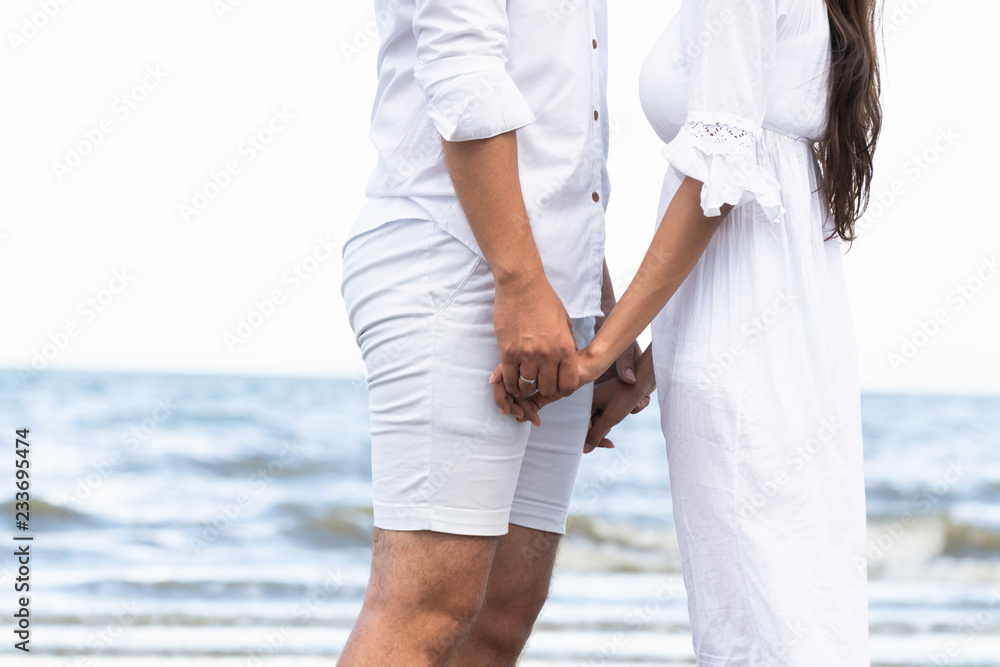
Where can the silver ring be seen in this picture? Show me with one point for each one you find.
(526, 381)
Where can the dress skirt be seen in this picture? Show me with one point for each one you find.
(757, 377)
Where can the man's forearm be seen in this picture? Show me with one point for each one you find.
(485, 175)
(534, 332)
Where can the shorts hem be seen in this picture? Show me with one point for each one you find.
(528, 516)
(484, 523)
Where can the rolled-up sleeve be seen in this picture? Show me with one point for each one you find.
(461, 68)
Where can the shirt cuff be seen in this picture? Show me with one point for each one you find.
(472, 97)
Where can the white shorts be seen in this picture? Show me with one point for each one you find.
(443, 456)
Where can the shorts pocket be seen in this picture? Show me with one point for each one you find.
(450, 268)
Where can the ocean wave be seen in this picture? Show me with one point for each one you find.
(215, 589)
(343, 526)
(283, 464)
(593, 544)
(930, 537)
(937, 542)
(44, 515)
(965, 540)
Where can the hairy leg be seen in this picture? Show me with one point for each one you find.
(518, 587)
(423, 596)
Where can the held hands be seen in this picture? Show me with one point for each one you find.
(526, 405)
(617, 394)
(539, 361)
(537, 347)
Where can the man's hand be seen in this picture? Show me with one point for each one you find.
(533, 332)
(526, 408)
(535, 337)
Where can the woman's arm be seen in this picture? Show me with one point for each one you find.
(679, 242)
(624, 366)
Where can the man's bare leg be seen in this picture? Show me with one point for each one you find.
(423, 596)
(518, 587)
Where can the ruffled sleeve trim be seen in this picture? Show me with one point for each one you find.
(722, 156)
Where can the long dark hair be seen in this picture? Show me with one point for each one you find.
(854, 113)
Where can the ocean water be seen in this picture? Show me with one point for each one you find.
(227, 519)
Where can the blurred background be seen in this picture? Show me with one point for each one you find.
(177, 180)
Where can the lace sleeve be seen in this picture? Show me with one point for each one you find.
(721, 138)
(729, 45)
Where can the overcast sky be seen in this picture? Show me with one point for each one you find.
(169, 169)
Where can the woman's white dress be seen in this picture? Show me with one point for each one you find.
(755, 355)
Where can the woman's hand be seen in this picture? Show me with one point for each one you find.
(614, 400)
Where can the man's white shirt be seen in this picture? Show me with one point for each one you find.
(472, 69)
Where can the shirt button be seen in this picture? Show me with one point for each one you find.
(595, 43)
(595, 115)
(595, 197)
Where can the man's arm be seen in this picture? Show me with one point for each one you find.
(477, 107)
(533, 331)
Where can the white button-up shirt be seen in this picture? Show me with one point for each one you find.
(471, 69)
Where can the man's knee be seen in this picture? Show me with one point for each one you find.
(506, 622)
(519, 582)
(432, 575)
(520, 609)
